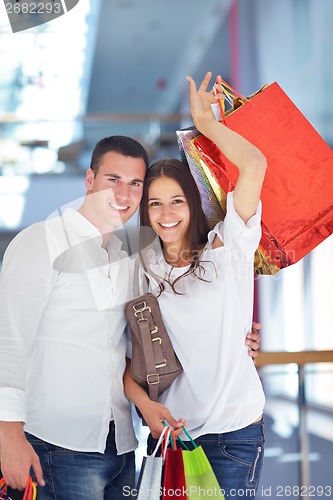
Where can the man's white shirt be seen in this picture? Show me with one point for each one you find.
(62, 336)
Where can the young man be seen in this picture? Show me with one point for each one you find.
(63, 286)
(62, 290)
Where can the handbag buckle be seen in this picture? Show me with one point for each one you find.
(157, 379)
(142, 319)
(138, 309)
(161, 365)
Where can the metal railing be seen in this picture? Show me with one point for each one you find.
(300, 358)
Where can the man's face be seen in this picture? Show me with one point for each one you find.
(116, 190)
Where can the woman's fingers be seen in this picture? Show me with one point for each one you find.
(193, 87)
(217, 88)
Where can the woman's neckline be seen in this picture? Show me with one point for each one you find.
(176, 264)
(184, 263)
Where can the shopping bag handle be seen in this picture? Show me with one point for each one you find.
(170, 435)
(187, 434)
(173, 441)
(230, 94)
(179, 439)
(30, 492)
(160, 439)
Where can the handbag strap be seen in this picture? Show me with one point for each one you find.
(136, 279)
(152, 352)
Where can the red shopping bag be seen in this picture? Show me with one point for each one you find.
(174, 484)
(298, 188)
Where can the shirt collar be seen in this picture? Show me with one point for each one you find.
(79, 228)
(78, 223)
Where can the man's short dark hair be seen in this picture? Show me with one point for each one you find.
(121, 144)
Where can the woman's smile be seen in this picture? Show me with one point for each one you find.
(169, 225)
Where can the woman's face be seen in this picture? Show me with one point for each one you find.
(168, 211)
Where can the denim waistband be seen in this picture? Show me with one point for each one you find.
(253, 432)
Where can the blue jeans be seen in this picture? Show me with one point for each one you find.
(73, 475)
(236, 458)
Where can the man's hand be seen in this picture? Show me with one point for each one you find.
(17, 456)
(253, 341)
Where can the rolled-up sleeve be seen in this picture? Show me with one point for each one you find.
(243, 238)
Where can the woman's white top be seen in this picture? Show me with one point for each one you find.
(219, 389)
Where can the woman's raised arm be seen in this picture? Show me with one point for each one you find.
(249, 160)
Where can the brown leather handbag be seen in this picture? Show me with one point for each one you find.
(154, 363)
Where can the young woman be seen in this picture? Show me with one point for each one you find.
(204, 283)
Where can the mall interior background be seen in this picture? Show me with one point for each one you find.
(118, 67)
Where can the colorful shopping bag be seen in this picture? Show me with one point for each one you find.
(150, 477)
(174, 484)
(211, 204)
(298, 188)
(213, 198)
(199, 475)
(3, 491)
(30, 492)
